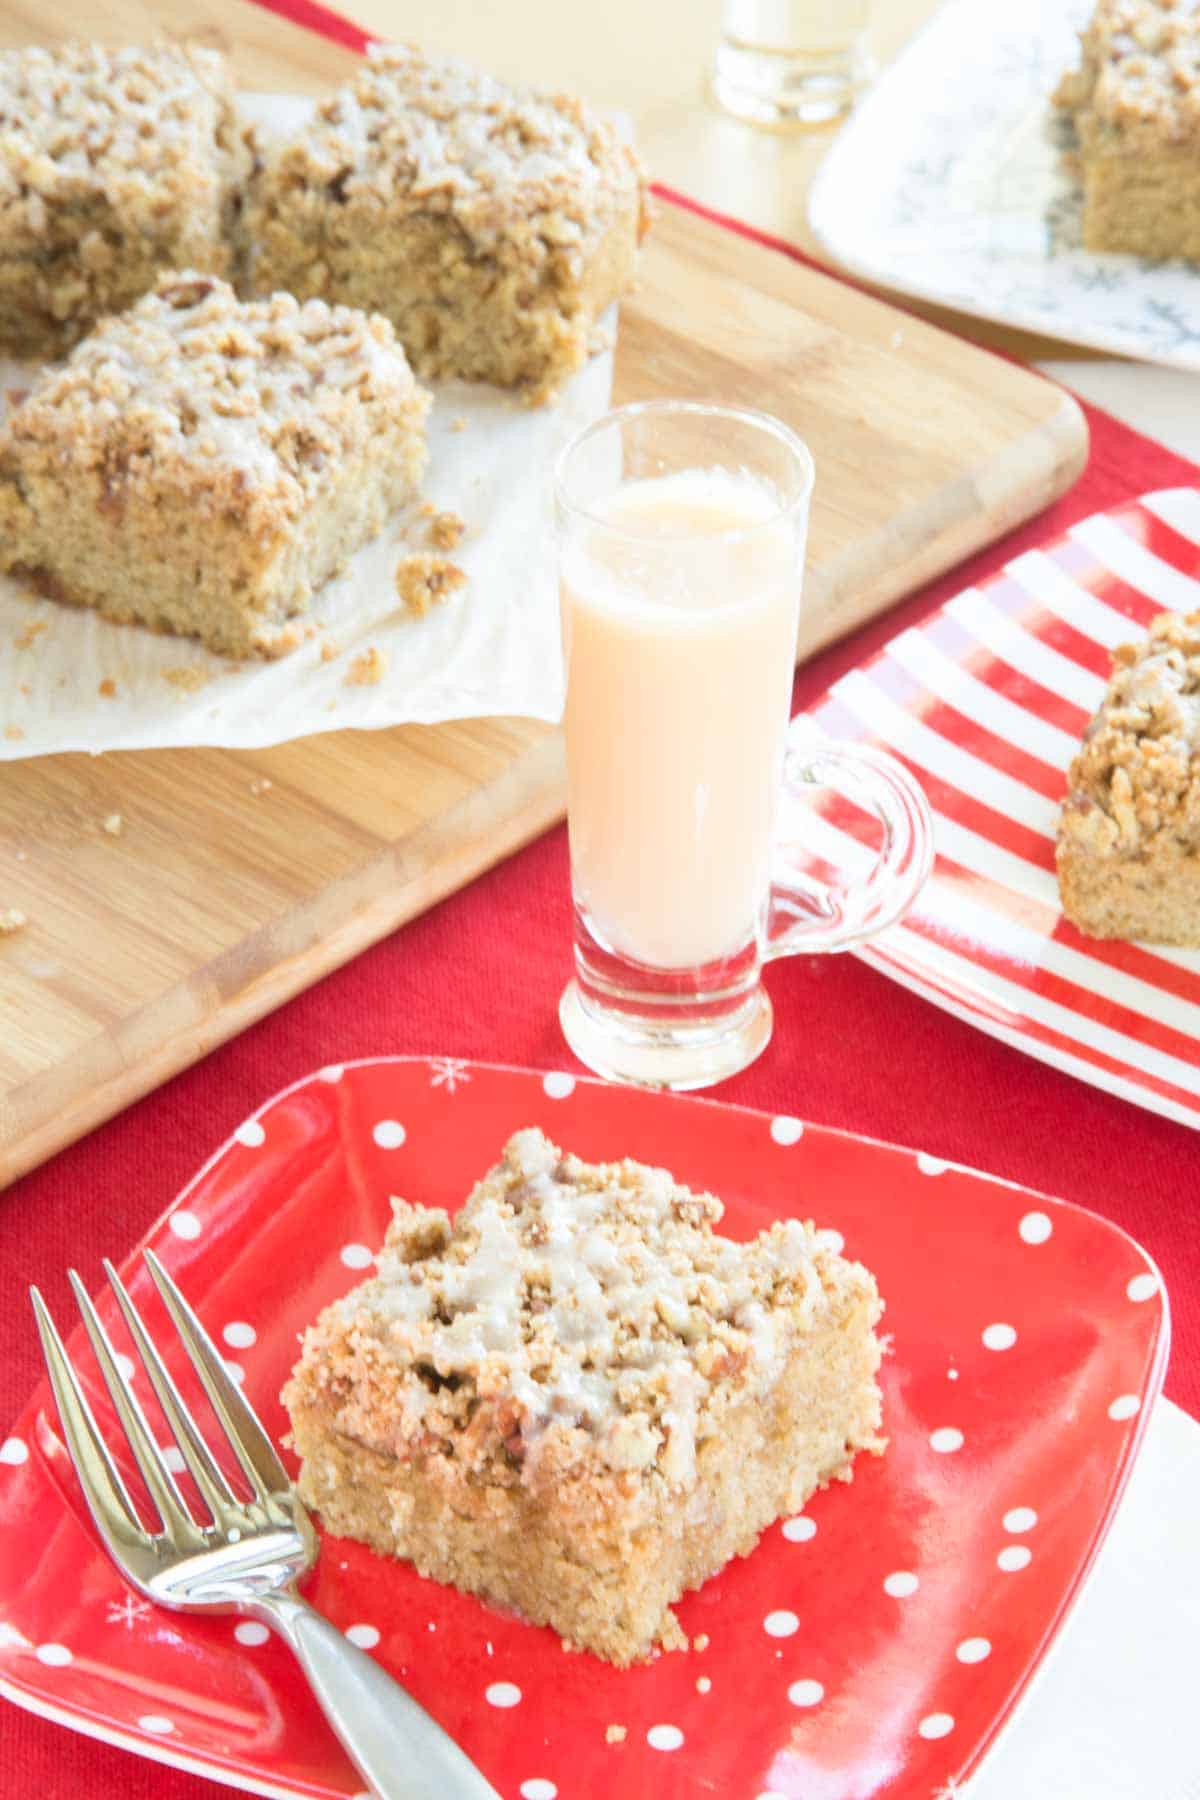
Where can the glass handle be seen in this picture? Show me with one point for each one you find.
(870, 888)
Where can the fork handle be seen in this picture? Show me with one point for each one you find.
(400, 1751)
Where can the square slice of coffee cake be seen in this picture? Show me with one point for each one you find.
(1129, 835)
(491, 225)
(114, 165)
(202, 464)
(577, 1399)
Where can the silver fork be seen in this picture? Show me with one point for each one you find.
(250, 1554)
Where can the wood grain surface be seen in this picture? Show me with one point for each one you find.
(222, 898)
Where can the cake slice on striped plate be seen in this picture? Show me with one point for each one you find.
(1129, 836)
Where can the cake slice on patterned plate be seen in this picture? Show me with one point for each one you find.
(1129, 836)
(578, 1399)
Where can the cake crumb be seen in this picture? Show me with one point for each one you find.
(368, 668)
(114, 824)
(616, 1734)
(459, 424)
(422, 580)
(188, 679)
(445, 530)
(427, 509)
(263, 786)
(14, 732)
(28, 633)
(107, 688)
(24, 690)
(12, 920)
(703, 1684)
(329, 652)
(701, 1642)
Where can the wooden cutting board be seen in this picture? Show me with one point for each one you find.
(221, 898)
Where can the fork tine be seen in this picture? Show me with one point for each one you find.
(255, 1451)
(106, 1494)
(204, 1471)
(149, 1458)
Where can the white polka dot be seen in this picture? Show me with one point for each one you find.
(558, 1085)
(999, 1337)
(901, 1584)
(55, 1656)
(155, 1723)
(235, 1371)
(1143, 1287)
(931, 1165)
(503, 1693)
(126, 1365)
(785, 1130)
(365, 1636)
(389, 1134)
(331, 1072)
(806, 1693)
(799, 1530)
(251, 1633)
(172, 1455)
(703, 1685)
(936, 1725)
(831, 1240)
(238, 1335)
(14, 1451)
(1014, 1557)
(781, 1624)
(356, 1256)
(664, 1737)
(538, 1789)
(185, 1225)
(1035, 1228)
(1124, 1407)
(946, 1439)
(951, 1374)
(973, 1650)
(251, 1134)
(1021, 1518)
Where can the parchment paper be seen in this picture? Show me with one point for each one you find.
(491, 648)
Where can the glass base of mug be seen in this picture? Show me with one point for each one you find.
(654, 1053)
(785, 90)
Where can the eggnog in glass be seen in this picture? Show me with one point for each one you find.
(681, 547)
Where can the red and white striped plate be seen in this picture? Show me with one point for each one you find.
(986, 702)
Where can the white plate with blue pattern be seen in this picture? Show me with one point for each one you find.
(950, 183)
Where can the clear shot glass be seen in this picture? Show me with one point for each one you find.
(681, 534)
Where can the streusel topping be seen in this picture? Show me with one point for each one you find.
(1141, 67)
(1140, 763)
(83, 119)
(595, 1299)
(439, 136)
(262, 393)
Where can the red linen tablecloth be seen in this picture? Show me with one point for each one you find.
(480, 976)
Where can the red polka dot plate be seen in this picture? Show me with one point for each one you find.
(872, 1646)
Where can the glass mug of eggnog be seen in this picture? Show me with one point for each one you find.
(681, 534)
